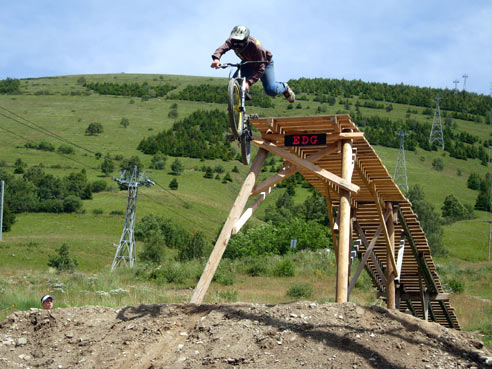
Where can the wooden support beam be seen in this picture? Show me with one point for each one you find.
(225, 234)
(391, 270)
(329, 206)
(249, 211)
(369, 246)
(424, 299)
(290, 170)
(307, 165)
(391, 256)
(399, 260)
(344, 232)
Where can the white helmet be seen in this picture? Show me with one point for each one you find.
(239, 37)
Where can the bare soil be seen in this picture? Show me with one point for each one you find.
(294, 335)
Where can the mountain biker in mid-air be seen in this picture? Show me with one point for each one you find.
(248, 48)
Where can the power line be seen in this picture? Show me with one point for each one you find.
(41, 129)
(56, 152)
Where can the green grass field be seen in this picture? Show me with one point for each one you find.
(60, 105)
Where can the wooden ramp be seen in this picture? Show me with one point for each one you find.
(381, 228)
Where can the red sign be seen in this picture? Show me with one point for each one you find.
(305, 140)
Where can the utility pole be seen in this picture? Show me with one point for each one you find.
(436, 130)
(1, 209)
(125, 250)
(400, 176)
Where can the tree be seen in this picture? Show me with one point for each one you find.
(429, 220)
(438, 164)
(173, 185)
(107, 166)
(124, 122)
(209, 173)
(177, 167)
(193, 248)
(473, 181)
(71, 204)
(62, 261)
(94, 129)
(153, 249)
(158, 161)
(453, 210)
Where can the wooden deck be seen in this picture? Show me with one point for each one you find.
(371, 188)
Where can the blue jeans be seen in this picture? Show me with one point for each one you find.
(271, 87)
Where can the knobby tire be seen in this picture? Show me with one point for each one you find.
(236, 113)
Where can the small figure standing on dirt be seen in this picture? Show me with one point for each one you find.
(248, 48)
(47, 302)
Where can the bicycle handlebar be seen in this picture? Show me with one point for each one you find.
(237, 65)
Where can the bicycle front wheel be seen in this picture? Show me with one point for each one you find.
(245, 141)
(236, 110)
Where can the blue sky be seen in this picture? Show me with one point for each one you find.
(428, 43)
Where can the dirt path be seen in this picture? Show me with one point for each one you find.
(294, 335)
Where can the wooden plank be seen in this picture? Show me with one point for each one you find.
(249, 211)
(291, 170)
(319, 172)
(221, 243)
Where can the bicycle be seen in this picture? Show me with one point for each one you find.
(238, 119)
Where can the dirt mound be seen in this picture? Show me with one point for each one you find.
(293, 335)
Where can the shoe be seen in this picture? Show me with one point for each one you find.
(289, 94)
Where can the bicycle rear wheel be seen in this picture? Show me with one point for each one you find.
(245, 142)
(236, 111)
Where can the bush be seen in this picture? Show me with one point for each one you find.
(257, 268)
(438, 164)
(153, 250)
(99, 185)
(173, 185)
(97, 211)
(284, 268)
(300, 290)
(94, 129)
(71, 204)
(193, 248)
(456, 285)
(62, 261)
(65, 149)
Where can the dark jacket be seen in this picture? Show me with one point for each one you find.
(253, 51)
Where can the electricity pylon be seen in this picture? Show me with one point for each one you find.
(465, 76)
(125, 250)
(436, 130)
(400, 176)
(456, 86)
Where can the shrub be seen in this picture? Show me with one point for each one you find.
(284, 268)
(173, 185)
(94, 129)
(153, 249)
(193, 248)
(62, 261)
(456, 285)
(71, 204)
(437, 164)
(257, 268)
(65, 149)
(124, 122)
(300, 290)
(97, 211)
(99, 185)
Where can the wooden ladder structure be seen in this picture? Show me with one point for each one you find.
(372, 214)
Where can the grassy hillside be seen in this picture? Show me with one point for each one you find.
(65, 108)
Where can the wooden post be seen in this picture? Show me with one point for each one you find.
(221, 243)
(390, 272)
(344, 230)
